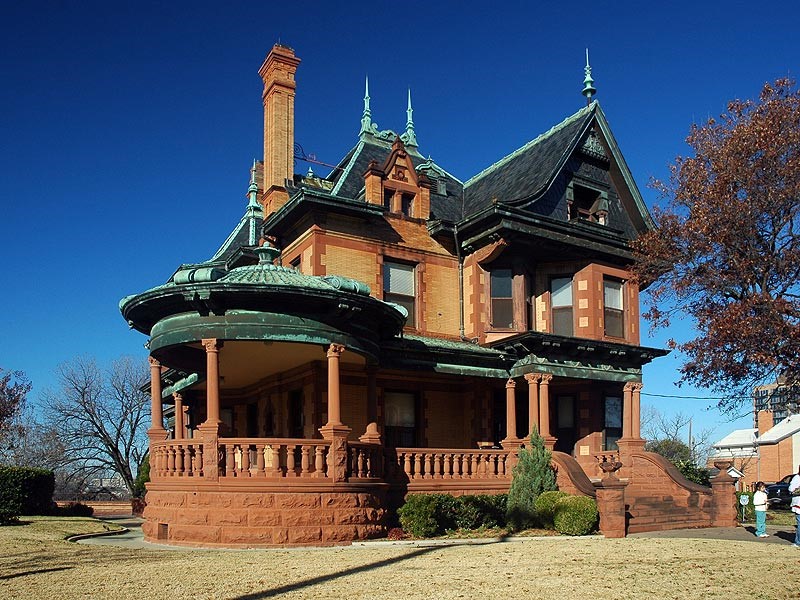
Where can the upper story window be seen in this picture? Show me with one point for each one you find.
(561, 305)
(295, 263)
(407, 204)
(502, 304)
(587, 203)
(399, 287)
(388, 199)
(613, 308)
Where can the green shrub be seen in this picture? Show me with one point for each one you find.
(474, 512)
(74, 509)
(545, 507)
(532, 475)
(25, 491)
(142, 477)
(575, 515)
(426, 515)
(694, 473)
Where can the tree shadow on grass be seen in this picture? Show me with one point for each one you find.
(290, 587)
(34, 572)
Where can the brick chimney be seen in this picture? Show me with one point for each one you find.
(766, 421)
(277, 73)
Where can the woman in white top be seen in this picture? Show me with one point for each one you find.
(760, 505)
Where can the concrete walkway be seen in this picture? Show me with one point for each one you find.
(134, 539)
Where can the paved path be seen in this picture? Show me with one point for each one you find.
(784, 535)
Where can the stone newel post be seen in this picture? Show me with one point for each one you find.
(610, 496)
(156, 433)
(334, 430)
(724, 496)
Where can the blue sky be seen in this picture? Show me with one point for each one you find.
(128, 129)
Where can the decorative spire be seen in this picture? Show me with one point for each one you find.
(366, 119)
(410, 138)
(254, 209)
(588, 88)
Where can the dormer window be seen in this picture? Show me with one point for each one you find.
(587, 203)
(388, 199)
(407, 204)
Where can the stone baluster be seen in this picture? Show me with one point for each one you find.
(179, 459)
(230, 460)
(418, 463)
(245, 460)
(260, 462)
(276, 460)
(319, 461)
(305, 461)
(290, 460)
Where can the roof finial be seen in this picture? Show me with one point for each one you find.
(253, 207)
(366, 119)
(410, 137)
(588, 88)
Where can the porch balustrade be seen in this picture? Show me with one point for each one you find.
(176, 458)
(364, 461)
(416, 464)
(280, 457)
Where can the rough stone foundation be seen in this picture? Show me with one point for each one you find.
(257, 519)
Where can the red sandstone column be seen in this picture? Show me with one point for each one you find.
(533, 402)
(544, 411)
(334, 430)
(627, 411)
(156, 432)
(636, 411)
(209, 429)
(511, 440)
(178, 415)
(372, 394)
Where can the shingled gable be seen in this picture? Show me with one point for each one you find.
(525, 176)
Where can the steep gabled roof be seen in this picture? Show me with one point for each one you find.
(786, 428)
(526, 172)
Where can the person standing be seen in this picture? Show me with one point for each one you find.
(760, 506)
(794, 490)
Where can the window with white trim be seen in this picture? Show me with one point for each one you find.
(399, 286)
(613, 308)
(561, 305)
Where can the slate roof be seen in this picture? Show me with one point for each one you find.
(526, 172)
(348, 178)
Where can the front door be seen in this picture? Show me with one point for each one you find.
(565, 424)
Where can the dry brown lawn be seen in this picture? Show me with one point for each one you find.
(35, 562)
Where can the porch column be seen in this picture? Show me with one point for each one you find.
(178, 415)
(334, 430)
(627, 411)
(372, 394)
(209, 429)
(156, 432)
(636, 411)
(544, 411)
(212, 381)
(533, 402)
(511, 440)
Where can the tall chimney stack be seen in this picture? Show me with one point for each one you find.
(277, 73)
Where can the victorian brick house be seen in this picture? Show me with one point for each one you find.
(390, 329)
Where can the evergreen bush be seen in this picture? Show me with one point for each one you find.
(25, 491)
(545, 507)
(142, 477)
(474, 512)
(575, 515)
(532, 475)
(426, 515)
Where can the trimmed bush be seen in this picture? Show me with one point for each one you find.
(575, 515)
(74, 509)
(532, 475)
(426, 515)
(545, 507)
(474, 512)
(25, 491)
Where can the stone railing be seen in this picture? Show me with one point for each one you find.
(273, 457)
(176, 458)
(413, 464)
(364, 461)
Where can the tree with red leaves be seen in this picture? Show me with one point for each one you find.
(726, 250)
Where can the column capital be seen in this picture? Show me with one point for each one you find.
(546, 378)
(533, 377)
(511, 383)
(637, 387)
(177, 396)
(153, 362)
(628, 387)
(335, 350)
(211, 344)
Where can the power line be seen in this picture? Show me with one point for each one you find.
(697, 397)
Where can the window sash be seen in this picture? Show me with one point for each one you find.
(612, 294)
(561, 292)
(398, 279)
